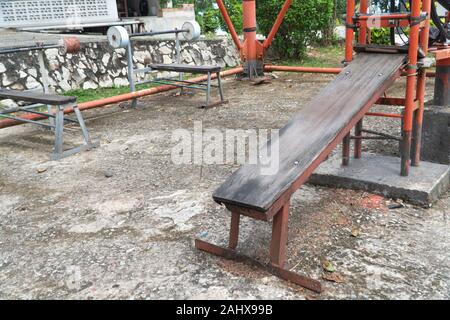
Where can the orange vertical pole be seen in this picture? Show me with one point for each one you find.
(411, 80)
(277, 23)
(226, 18)
(420, 96)
(349, 31)
(362, 38)
(249, 24)
(349, 36)
(362, 35)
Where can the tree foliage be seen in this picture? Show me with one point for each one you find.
(306, 22)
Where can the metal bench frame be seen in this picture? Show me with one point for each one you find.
(179, 82)
(56, 124)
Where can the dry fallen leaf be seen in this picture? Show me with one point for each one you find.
(334, 277)
(328, 266)
(41, 170)
(356, 232)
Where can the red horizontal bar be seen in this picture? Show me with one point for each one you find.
(387, 115)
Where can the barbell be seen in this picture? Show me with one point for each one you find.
(65, 45)
(118, 36)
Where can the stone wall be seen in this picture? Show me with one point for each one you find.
(99, 65)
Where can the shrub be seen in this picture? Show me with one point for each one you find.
(306, 22)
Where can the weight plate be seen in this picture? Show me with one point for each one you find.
(194, 30)
(118, 37)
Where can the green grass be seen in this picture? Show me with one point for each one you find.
(85, 95)
(330, 56)
(324, 57)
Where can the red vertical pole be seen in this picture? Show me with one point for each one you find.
(349, 31)
(249, 24)
(277, 23)
(226, 18)
(362, 38)
(349, 36)
(411, 80)
(420, 96)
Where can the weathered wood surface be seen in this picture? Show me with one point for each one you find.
(308, 134)
(43, 98)
(185, 68)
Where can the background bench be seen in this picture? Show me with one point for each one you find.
(57, 118)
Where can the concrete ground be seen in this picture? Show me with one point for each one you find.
(119, 221)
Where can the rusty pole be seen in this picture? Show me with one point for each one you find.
(349, 36)
(226, 18)
(362, 38)
(420, 96)
(277, 24)
(411, 81)
(253, 67)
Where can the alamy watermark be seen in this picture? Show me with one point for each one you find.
(259, 147)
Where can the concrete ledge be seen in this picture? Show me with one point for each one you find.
(381, 175)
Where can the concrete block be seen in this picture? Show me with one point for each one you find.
(436, 135)
(381, 175)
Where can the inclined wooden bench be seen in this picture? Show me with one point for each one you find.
(57, 119)
(187, 68)
(307, 139)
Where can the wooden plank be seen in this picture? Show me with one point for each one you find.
(311, 130)
(185, 68)
(36, 97)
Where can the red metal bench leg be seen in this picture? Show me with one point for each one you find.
(279, 237)
(234, 230)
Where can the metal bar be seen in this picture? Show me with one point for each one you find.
(387, 115)
(84, 130)
(31, 48)
(178, 85)
(349, 31)
(219, 83)
(59, 133)
(155, 33)
(420, 94)
(277, 24)
(359, 138)
(385, 16)
(411, 80)
(362, 39)
(226, 18)
(234, 230)
(284, 274)
(249, 24)
(279, 236)
(130, 68)
(270, 68)
(358, 143)
(346, 150)
(385, 135)
(362, 34)
(208, 89)
(45, 81)
(26, 120)
(185, 81)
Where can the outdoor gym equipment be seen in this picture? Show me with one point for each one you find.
(311, 135)
(118, 37)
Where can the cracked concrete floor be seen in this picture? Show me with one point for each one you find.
(68, 231)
